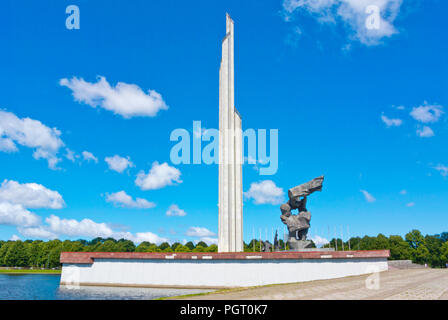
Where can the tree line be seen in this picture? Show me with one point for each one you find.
(429, 249)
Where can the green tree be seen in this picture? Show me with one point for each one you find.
(399, 249)
(253, 246)
(444, 252)
(3, 250)
(54, 257)
(202, 243)
(415, 239)
(434, 246)
(199, 249)
(143, 247)
(175, 245)
(190, 245)
(367, 243)
(420, 255)
(181, 248)
(33, 253)
(95, 241)
(111, 246)
(16, 255)
(381, 242)
(124, 245)
(281, 244)
(50, 253)
(337, 243)
(78, 246)
(164, 245)
(212, 248)
(355, 243)
(444, 236)
(153, 248)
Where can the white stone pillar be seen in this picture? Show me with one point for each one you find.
(239, 183)
(230, 149)
(224, 147)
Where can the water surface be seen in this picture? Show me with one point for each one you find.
(46, 287)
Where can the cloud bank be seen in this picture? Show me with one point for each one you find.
(160, 176)
(265, 192)
(122, 199)
(126, 100)
(174, 210)
(30, 133)
(118, 164)
(365, 21)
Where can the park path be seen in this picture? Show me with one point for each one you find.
(409, 284)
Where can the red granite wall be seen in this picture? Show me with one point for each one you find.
(89, 257)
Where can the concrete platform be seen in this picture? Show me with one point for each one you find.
(215, 270)
(409, 284)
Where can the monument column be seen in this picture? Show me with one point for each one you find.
(230, 238)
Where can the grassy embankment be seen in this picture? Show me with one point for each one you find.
(29, 271)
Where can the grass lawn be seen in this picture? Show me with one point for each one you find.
(27, 271)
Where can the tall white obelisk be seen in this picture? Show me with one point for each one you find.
(230, 153)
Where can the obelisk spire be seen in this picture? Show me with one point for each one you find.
(230, 152)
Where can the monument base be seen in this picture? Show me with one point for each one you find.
(215, 270)
(297, 245)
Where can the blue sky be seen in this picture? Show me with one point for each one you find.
(365, 108)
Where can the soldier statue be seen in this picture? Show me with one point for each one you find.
(299, 224)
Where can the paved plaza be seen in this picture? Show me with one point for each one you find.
(409, 284)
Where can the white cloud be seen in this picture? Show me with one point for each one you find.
(403, 192)
(17, 215)
(160, 175)
(391, 122)
(145, 236)
(118, 164)
(352, 14)
(16, 197)
(55, 227)
(425, 132)
(199, 232)
(208, 240)
(410, 204)
(7, 145)
(30, 133)
(127, 100)
(14, 238)
(174, 210)
(30, 195)
(265, 192)
(319, 241)
(71, 155)
(427, 113)
(88, 156)
(37, 233)
(122, 199)
(368, 196)
(442, 169)
(83, 228)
